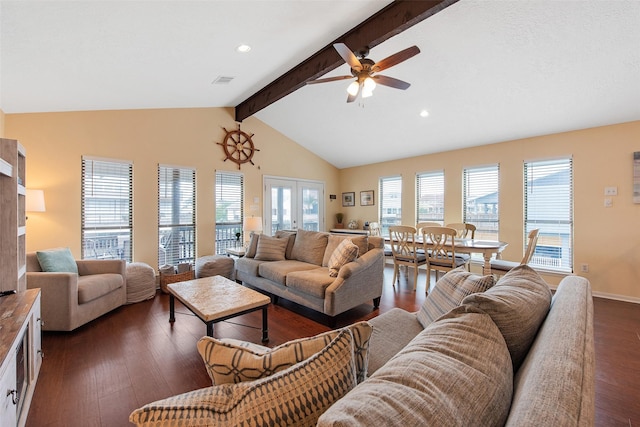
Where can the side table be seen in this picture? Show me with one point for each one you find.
(236, 252)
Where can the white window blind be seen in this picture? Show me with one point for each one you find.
(229, 210)
(549, 207)
(430, 196)
(390, 202)
(176, 215)
(480, 200)
(107, 188)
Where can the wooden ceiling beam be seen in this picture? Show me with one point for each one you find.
(388, 22)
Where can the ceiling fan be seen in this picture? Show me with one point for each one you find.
(364, 70)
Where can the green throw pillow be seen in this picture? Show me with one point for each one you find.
(57, 261)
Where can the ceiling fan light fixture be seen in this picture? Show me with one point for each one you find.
(369, 84)
(353, 88)
(366, 93)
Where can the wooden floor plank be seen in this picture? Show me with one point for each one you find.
(98, 374)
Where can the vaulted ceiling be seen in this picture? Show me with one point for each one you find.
(488, 71)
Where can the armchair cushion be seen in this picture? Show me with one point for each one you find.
(57, 261)
(97, 285)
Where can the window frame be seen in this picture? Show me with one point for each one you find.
(225, 231)
(488, 229)
(430, 180)
(384, 201)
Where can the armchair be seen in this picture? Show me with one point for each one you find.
(69, 300)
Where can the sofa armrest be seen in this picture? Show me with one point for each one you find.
(59, 296)
(357, 282)
(101, 266)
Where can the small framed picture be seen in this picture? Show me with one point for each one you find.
(366, 198)
(349, 199)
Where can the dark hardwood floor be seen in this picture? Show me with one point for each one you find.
(98, 374)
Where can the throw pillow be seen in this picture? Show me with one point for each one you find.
(309, 246)
(291, 235)
(362, 242)
(518, 304)
(271, 248)
(229, 361)
(296, 396)
(456, 372)
(449, 292)
(253, 246)
(344, 254)
(57, 261)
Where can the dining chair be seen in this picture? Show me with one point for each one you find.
(500, 266)
(440, 249)
(402, 238)
(464, 230)
(374, 229)
(421, 225)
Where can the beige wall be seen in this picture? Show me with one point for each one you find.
(607, 239)
(1, 123)
(56, 142)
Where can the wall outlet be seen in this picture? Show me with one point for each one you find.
(584, 268)
(610, 191)
(608, 202)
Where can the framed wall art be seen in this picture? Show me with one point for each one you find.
(349, 199)
(366, 198)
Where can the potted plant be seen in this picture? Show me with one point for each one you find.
(339, 218)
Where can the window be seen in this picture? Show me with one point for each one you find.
(176, 215)
(107, 187)
(229, 210)
(430, 196)
(390, 203)
(480, 200)
(548, 201)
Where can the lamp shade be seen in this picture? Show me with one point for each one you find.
(34, 201)
(253, 223)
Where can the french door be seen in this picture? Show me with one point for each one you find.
(290, 204)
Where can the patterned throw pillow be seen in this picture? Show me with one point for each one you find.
(346, 252)
(296, 396)
(271, 248)
(449, 292)
(518, 304)
(230, 361)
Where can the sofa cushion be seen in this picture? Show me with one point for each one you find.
(309, 246)
(313, 282)
(271, 248)
(392, 331)
(277, 271)
(234, 361)
(441, 378)
(57, 261)
(297, 395)
(449, 292)
(518, 304)
(362, 242)
(345, 253)
(248, 265)
(94, 286)
(291, 238)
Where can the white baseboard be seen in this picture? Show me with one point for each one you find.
(617, 297)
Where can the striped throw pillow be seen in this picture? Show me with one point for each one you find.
(271, 248)
(346, 252)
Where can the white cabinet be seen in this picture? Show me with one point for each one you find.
(8, 408)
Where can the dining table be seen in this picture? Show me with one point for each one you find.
(487, 248)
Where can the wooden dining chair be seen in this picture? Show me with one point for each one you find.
(403, 250)
(440, 249)
(374, 229)
(500, 267)
(421, 225)
(464, 230)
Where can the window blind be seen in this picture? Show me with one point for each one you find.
(430, 196)
(229, 199)
(390, 202)
(107, 188)
(480, 200)
(549, 207)
(176, 215)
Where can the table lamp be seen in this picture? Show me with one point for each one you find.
(253, 224)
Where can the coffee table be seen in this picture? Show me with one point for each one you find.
(214, 299)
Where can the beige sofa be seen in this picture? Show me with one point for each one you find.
(510, 355)
(301, 272)
(70, 300)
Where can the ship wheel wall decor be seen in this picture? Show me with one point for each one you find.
(238, 146)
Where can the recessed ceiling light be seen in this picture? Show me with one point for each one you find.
(243, 48)
(424, 113)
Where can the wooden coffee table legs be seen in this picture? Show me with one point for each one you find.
(265, 325)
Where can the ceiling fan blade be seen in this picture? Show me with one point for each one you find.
(391, 82)
(329, 79)
(396, 58)
(348, 56)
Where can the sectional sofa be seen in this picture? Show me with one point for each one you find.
(296, 266)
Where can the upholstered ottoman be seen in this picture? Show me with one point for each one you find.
(141, 282)
(215, 265)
